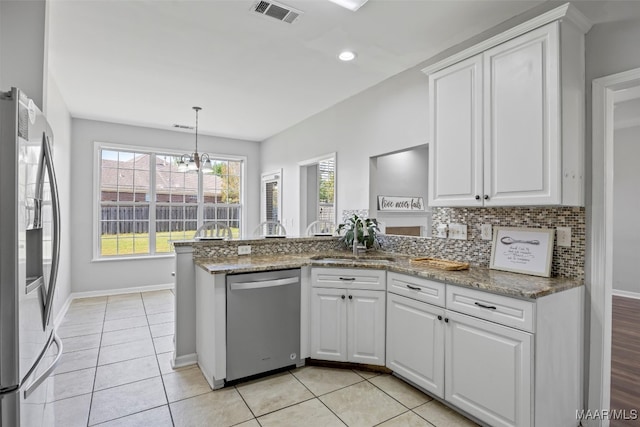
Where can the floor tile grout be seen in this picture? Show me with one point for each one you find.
(145, 306)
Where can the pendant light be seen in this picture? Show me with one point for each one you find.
(194, 161)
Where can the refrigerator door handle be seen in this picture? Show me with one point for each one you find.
(55, 204)
(36, 383)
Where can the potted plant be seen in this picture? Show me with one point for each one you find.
(364, 228)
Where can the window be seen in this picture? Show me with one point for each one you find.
(145, 202)
(326, 188)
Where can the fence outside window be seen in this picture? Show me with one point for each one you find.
(145, 202)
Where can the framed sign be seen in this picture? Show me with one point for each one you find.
(522, 250)
(400, 204)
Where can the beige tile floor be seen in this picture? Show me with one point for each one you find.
(116, 371)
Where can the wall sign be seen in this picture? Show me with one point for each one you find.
(522, 250)
(398, 203)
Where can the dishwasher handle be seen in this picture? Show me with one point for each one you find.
(263, 284)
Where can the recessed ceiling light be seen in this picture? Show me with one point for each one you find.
(346, 56)
(352, 5)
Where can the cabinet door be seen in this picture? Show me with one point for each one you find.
(366, 327)
(415, 342)
(522, 147)
(455, 126)
(328, 324)
(489, 370)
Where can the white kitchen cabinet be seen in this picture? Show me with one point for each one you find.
(366, 327)
(329, 324)
(488, 370)
(455, 150)
(415, 342)
(347, 316)
(522, 143)
(506, 361)
(506, 127)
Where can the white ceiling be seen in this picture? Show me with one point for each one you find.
(148, 62)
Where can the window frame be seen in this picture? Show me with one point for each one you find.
(98, 146)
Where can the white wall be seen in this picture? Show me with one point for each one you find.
(388, 117)
(626, 206)
(60, 122)
(23, 46)
(88, 275)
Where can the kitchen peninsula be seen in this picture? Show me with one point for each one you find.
(525, 331)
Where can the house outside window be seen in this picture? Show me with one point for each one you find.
(145, 202)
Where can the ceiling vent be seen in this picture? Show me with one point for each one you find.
(276, 10)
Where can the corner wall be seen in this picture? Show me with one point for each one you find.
(60, 121)
(89, 275)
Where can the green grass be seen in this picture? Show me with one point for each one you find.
(138, 243)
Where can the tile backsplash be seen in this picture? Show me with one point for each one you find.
(567, 261)
(213, 249)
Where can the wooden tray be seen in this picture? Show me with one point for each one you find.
(442, 264)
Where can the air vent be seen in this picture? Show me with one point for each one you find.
(278, 11)
(183, 127)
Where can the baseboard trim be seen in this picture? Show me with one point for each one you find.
(63, 311)
(625, 294)
(213, 383)
(108, 292)
(182, 361)
(104, 293)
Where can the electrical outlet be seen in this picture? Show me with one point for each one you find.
(244, 250)
(441, 231)
(458, 231)
(486, 232)
(563, 236)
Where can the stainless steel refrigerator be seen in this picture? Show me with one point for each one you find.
(29, 249)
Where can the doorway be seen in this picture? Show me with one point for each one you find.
(271, 195)
(625, 308)
(613, 241)
(318, 193)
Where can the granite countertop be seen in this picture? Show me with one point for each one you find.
(499, 282)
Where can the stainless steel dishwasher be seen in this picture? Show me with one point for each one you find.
(263, 322)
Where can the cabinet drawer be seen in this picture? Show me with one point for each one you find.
(496, 308)
(417, 288)
(349, 278)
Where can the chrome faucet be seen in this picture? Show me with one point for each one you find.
(356, 247)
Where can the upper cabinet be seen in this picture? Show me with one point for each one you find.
(507, 118)
(455, 151)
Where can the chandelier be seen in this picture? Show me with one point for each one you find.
(195, 161)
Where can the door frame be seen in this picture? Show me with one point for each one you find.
(600, 238)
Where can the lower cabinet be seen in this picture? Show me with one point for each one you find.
(488, 370)
(347, 325)
(481, 367)
(505, 361)
(415, 342)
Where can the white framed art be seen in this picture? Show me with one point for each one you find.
(523, 250)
